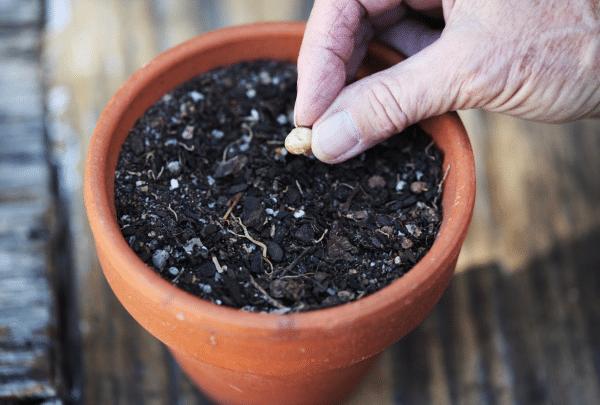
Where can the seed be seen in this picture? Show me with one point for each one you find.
(298, 141)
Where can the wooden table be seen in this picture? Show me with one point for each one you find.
(520, 323)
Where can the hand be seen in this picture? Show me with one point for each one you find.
(535, 60)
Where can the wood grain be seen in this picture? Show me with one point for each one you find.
(28, 321)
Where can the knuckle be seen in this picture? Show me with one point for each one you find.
(387, 116)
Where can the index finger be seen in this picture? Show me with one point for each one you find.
(332, 31)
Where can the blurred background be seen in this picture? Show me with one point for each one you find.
(520, 323)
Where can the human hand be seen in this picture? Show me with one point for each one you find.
(535, 60)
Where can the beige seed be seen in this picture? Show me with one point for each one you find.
(298, 141)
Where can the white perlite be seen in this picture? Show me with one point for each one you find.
(189, 246)
(159, 258)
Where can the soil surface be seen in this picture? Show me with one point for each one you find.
(207, 196)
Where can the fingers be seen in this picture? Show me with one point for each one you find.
(327, 47)
(334, 43)
(374, 108)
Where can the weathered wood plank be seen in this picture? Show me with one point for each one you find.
(20, 12)
(531, 337)
(27, 147)
(236, 12)
(22, 99)
(28, 347)
(537, 183)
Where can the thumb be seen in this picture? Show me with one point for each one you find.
(376, 107)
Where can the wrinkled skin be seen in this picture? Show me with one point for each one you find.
(535, 59)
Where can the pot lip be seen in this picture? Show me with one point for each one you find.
(107, 233)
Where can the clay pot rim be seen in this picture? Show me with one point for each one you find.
(98, 199)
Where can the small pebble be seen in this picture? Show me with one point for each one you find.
(188, 132)
(173, 270)
(196, 96)
(400, 185)
(174, 184)
(265, 77)
(217, 134)
(174, 167)
(159, 258)
(282, 119)
(254, 115)
(376, 181)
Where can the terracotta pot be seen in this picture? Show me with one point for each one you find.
(252, 358)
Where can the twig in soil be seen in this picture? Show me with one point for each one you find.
(174, 213)
(297, 260)
(155, 177)
(224, 158)
(439, 186)
(149, 155)
(322, 236)
(268, 273)
(271, 300)
(249, 129)
(177, 278)
(184, 146)
(299, 275)
(346, 205)
(426, 150)
(247, 236)
(217, 264)
(299, 188)
(236, 200)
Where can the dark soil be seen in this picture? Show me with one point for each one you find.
(207, 196)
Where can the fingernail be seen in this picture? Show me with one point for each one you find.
(335, 136)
